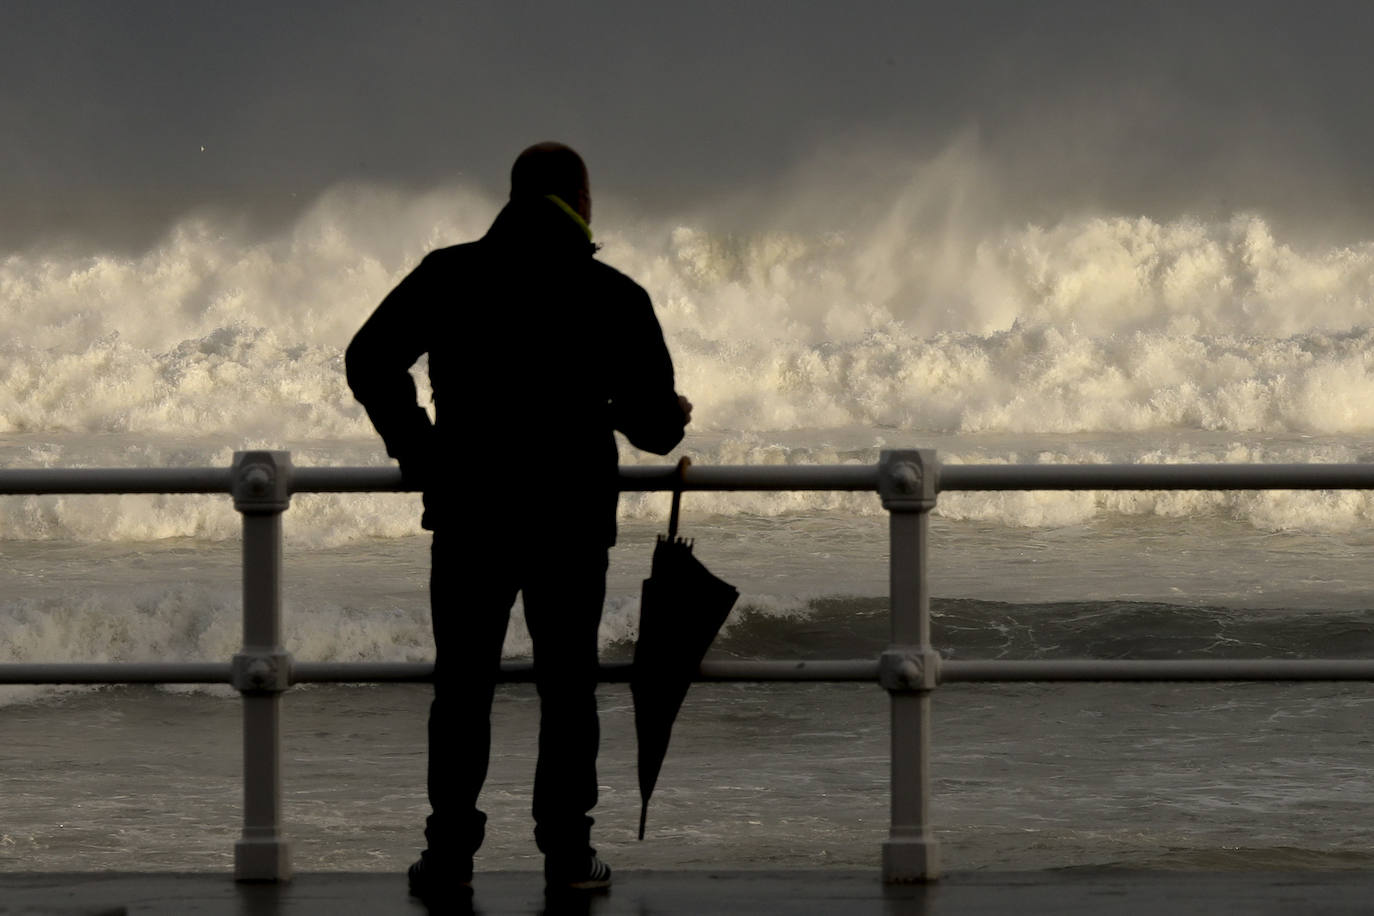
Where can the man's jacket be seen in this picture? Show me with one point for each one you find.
(537, 351)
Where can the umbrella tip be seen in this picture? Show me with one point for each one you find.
(643, 814)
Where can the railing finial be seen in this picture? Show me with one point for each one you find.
(908, 479)
(261, 482)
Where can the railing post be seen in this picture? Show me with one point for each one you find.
(262, 671)
(909, 669)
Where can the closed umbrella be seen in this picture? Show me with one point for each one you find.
(681, 609)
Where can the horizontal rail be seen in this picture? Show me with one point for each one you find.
(348, 480)
(115, 673)
(364, 672)
(515, 672)
(633, 478)
(793, 477)
(1214, 669)
(753, 477)
(24, 481)
(833, 671)
(1156, 477)
(522, 672)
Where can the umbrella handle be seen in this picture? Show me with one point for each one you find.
(683, 463)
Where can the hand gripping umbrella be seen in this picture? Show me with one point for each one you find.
(681, 609)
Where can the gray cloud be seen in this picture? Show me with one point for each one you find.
(1073, 104)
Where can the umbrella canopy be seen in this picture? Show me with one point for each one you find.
(681, 609)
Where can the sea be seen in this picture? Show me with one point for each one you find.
(1086, 338)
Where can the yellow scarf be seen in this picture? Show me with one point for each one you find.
(576, 217)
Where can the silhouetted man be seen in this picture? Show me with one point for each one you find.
(536, 353)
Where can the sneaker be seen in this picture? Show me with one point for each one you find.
(429, 880)
(587, 875)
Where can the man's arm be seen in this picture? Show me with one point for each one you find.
(644, 405)
(378, 364)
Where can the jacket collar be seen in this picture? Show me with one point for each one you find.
(541, 222)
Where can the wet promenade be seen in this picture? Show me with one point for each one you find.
(1068, 892)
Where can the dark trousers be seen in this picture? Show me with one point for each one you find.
(472, 588)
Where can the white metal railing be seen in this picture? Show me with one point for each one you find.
(907, 481)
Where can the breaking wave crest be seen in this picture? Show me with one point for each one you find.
(189, 623)
(1090, 324)
(200, 623)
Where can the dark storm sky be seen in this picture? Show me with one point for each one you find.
(1154, 108)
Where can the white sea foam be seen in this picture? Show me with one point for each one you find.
(1091, 324)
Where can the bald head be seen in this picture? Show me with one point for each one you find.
(552, 168)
